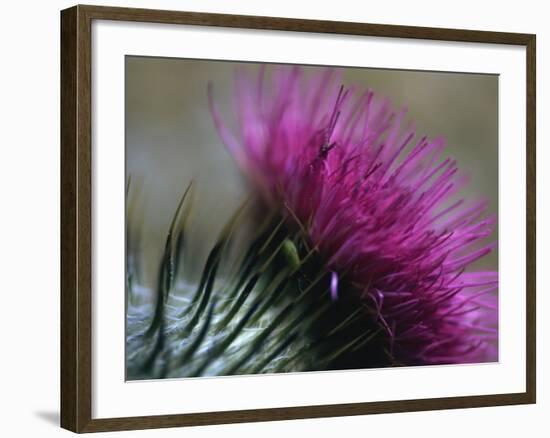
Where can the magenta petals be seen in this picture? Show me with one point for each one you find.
(382, 207)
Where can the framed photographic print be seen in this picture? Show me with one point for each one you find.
(268, 218)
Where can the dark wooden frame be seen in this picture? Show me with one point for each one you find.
(76, 243)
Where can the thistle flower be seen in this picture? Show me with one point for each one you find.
(379, 206)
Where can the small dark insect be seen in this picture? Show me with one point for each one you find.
(325, 149)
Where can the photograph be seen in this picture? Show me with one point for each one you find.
(286, 218)
(266, 219)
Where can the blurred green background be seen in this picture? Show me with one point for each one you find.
(171, 139)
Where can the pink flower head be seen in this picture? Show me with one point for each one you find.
(379, 205)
